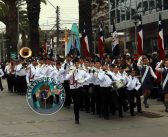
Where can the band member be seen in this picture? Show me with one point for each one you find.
(1, 75)
(164, 71)
(34, 72)
(12, 77)
(21, 78)
(86, 87)
(146, 74)
(7, 73)
(105, 89)
(133, 86)
(96, 88)
(65, 68)
(77, 78)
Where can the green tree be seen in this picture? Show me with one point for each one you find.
(33, 11)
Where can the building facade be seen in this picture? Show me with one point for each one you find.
(125, 14)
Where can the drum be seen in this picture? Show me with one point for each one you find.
(118, 84)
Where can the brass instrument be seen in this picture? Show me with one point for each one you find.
(72, 70)
(25, 52)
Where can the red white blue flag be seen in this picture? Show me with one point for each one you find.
(140, 37)
(85, 43)
(161, 39)
(101, 41)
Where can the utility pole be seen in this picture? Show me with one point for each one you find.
(58, 24)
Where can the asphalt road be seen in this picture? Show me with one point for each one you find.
(18, 120)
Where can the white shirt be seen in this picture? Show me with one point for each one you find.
(20, 71)
(7, 69)
(105, 80)
(95, 75)
(1, 73)
(78, 78)
(133, 83)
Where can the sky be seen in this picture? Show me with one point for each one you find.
(68, 14)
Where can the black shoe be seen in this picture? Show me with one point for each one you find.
(2, 89)
(146, 106)
(139, 111)
(132, 114)
(106, 118)
(76, 122)
(126, 109)
(88, 111)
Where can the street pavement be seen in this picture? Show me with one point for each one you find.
(18, 120)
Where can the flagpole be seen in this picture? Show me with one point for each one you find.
(66, 41)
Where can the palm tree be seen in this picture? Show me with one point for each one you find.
(85, 14)
(9, 18)
(33, 11)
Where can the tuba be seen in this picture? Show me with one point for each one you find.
(25, 52)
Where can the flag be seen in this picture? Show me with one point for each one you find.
(140, 37)
(66, 41)
(85, 44)
(101, 41)
(44, 48)
(115, 42)
(161, 39)
(50, 48)
(74, 46)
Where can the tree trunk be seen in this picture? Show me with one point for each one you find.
(33, 9)
(12, 29)
(85, 15)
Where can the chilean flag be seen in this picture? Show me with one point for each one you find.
(85, 44)
(140, 37)
(161, 39)
(115, 42)
(101, 41)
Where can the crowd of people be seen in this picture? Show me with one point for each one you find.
(98, 86)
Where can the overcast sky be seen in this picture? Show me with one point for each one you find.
(68, 10)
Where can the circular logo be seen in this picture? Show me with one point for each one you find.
(45, 96)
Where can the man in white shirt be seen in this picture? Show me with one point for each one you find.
(133, 86)
(21, 78)
(1, 75)
(65, 67)
(7, 73)
(77, 78)
(105, 91)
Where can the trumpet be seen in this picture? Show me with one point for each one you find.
(72, 70)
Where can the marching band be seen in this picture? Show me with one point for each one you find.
(100, 87)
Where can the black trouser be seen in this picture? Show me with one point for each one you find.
(93, 98)
(105, 96)
(115, 103)
(97, 94)
(67, 92)
(12, 82)
(22, 84)
(132, 94)
(123, 98)
(1, 87)
(86, 97)
(8, 81)
(76, 95)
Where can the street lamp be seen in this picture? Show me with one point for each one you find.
(56, 10)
